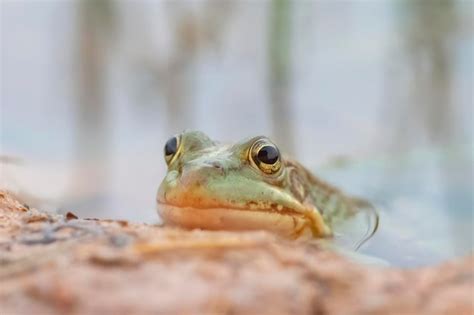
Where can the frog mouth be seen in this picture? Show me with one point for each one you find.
(285, 223)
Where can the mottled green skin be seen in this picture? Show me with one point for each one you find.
(205, 174)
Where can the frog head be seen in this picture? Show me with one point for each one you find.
(243, 186)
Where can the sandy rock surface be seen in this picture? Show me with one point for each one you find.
(52, 264)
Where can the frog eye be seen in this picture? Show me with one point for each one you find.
(265, 156)
(171, 149)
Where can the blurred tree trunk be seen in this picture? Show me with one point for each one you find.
(428, 30)
(94, 31)
(177, 76)
(193, 29)
(279, 73)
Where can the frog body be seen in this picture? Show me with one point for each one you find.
(247, 186)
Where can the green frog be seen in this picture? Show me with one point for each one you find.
(249, 185)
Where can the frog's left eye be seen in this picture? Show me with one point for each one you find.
(171, 149)
(265, 156)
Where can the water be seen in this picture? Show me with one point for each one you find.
(425, 203)
(357, 86)
(424, 198)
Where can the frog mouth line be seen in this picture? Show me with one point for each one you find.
(283, 211)
(285, 223)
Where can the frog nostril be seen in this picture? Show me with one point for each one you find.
(217, 165)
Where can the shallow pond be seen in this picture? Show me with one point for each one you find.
(363, 77)
(425, 201)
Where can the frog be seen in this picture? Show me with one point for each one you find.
(250, 185)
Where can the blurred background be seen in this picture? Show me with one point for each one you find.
(374, 96)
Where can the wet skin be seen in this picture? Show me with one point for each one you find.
(247, 186)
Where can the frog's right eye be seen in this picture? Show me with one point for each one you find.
(265, 156)
(171, 149)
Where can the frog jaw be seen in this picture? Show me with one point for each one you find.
(201, 199)
(283, 224)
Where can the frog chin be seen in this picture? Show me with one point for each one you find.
(286, 224)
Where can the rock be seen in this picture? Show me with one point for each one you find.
(50, 264)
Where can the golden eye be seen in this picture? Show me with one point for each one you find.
(171, 149)
(266, 156)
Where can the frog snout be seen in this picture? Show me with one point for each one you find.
(198, 175)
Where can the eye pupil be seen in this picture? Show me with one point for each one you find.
(171, 146)
(268, 154)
